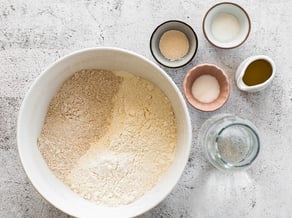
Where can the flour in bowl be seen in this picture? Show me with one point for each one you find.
(113, 140)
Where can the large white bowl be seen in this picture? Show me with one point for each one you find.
(33, 111)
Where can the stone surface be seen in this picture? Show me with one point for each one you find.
(34, 33)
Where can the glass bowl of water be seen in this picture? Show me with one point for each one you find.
(230, 142)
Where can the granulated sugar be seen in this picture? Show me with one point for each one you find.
(130, 143)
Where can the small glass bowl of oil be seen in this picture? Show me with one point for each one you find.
(230, 142)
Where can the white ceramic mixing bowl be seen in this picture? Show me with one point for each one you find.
(33, 111)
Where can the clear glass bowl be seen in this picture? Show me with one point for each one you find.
(230, 142)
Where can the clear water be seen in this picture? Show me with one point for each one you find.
(230, 142)
(235, 143)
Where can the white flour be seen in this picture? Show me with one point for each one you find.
(135, 151)
(225, 27)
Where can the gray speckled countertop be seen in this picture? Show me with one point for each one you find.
(35, 33)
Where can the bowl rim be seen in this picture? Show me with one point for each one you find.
(24, 162)
(236, 5)
(185, 87)
(187, 60)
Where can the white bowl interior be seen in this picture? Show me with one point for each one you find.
(173, 25)
(235, 11)
(33, 111)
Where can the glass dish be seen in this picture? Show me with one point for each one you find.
(230, 142)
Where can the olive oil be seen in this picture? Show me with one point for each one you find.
(257, 72)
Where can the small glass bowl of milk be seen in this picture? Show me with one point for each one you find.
(226, 25)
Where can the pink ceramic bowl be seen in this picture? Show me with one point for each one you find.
(222, 79)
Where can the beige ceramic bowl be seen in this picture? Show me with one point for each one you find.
(212, 70)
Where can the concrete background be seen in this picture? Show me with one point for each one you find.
(34, 33)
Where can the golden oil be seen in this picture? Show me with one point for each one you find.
(257, 72)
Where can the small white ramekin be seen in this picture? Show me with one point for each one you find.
(173, 25)
(235, 10)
